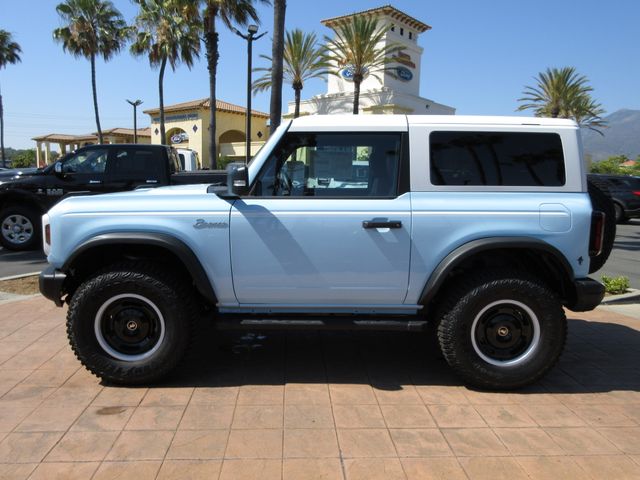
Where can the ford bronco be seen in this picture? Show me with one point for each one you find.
(480, 229)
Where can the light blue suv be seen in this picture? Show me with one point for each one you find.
(479, 229)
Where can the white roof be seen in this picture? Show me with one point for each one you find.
(401, 122)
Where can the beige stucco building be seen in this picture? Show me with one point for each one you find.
(187, 126)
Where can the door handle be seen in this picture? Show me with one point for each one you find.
(377, 224)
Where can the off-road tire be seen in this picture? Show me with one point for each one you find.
(620, 216)
(33, 216)
(465, 303)
(174, 300)
(600, 201)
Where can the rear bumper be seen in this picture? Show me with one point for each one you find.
(51, 282)
(588, 295)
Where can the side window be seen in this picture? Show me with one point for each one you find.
(87, 162)
(332, 165)
(496, 158)
(136, 165)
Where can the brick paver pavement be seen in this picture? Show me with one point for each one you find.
(310, 406)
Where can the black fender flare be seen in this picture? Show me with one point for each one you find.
(162, 240)
(460, 254)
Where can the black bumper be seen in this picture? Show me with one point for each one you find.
(51, 282)
(588, 295)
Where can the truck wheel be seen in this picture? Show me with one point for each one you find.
(502, 330)
(20, 228)
(602, 202)
(131, 323)
(620, 216)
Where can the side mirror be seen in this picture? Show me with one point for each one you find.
(237, 179)
(57, 168)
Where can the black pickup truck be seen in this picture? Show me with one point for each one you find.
(89, 170)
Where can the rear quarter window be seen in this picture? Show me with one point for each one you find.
(496, 159)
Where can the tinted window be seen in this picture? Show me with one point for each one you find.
(496, 158)
(88, 162)
(332, 164)
(136, 165)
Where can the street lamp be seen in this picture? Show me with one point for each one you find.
(250, 37)
(135, 104)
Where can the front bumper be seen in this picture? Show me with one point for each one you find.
(588, 295)
(51, 283)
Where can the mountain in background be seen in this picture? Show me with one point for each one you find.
(621, 137)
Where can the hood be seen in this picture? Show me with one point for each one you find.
(178, 198)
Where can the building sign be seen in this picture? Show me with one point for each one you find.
(177, 118)
(348, 72)
(180, 137)
(404, 74)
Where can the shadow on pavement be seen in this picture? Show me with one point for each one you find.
(599, 357)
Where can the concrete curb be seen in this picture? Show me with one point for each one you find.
(633, 296)
(22, 275)
(14, 297)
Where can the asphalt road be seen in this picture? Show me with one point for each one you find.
(625, 256)
(624, 259)
(18, 263)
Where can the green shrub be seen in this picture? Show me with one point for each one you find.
(615, 285)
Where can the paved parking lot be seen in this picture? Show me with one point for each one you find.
(311, 406)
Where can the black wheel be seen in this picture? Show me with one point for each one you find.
(620, 216)
(603, 203)
(502, 330)
(20, 228)
(131, 324)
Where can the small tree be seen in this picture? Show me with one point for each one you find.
(610, 166)
(9, 54)
(358, 45)
(304, 59)
(24, 159)
(563, 93)
(167, 31)
(94, 28)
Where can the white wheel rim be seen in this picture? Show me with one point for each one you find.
(110, 350)
(524, 356)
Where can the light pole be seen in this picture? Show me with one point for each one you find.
(249, 37)
(135, 104)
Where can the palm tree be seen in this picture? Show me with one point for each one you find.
(563, 93)
(167, 31)
(358, 46)
(93, 28)
(277, 54)
(229, 11)
(9, 54)
(303, 58)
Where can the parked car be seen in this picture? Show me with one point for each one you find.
(189, 160)
(89, 170)
(624, 190)
(480, 229)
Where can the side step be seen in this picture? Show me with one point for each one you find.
(403, 324)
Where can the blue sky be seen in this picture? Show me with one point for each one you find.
(478, 57)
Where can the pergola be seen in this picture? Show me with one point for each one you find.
(72, 142)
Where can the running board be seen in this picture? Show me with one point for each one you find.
(409, 324)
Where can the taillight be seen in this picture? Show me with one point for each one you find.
(636, 193)
(47, 234)
(597, 233)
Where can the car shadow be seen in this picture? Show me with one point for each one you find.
(599, 357)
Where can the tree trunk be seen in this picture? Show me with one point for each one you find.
(4, 159)
(211, 45)
(277, 54)
(296, 91)
(356, 95)
(163, 133)
(95, 97)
